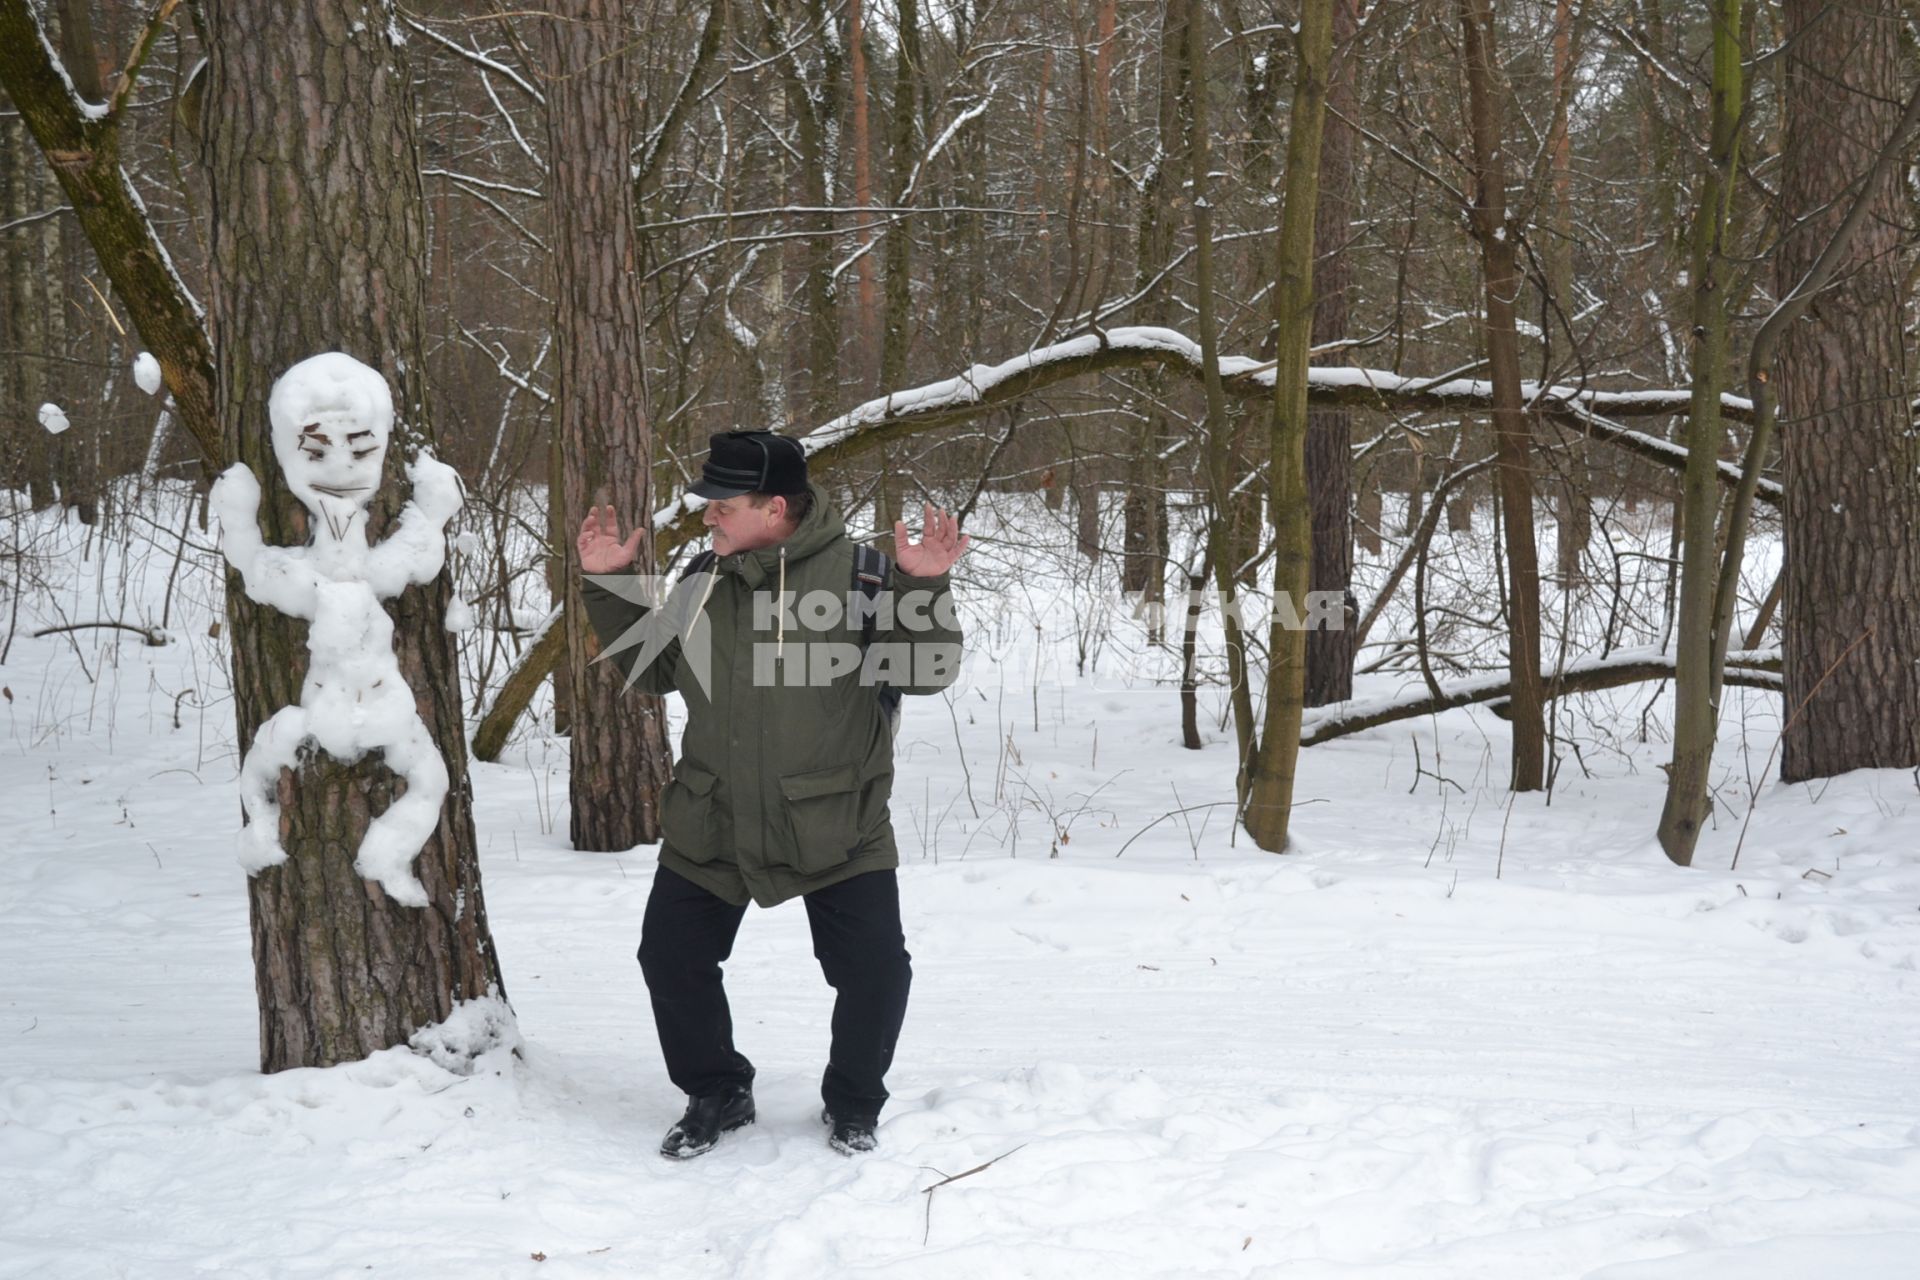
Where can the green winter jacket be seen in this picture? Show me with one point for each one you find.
(786, 764)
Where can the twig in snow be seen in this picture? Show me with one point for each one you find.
(927, 1234)
(154, 637)
(1500, 861)
(1168, 814)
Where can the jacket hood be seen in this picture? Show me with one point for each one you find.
(822, 527)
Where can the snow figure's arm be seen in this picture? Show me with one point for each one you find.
(416, 551)
(274, 576)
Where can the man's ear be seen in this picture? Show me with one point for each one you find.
(777, 509)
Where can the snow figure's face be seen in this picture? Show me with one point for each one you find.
(332, 417)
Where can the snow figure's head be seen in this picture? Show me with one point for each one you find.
(332, 417)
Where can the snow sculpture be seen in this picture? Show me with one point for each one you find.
(332, 417)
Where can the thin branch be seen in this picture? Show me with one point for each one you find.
(131, 72)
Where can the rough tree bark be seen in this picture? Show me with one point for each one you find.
(317, 239)
(1847, 440)
(618, 740)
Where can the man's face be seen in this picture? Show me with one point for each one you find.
(738, 525)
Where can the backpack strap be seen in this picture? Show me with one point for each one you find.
(702, 563)
(871, 571)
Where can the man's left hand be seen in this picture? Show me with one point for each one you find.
(941, 543)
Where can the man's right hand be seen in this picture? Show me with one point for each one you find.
(600, 546)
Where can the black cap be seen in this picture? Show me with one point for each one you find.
(751, 462)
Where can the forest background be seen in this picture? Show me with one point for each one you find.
(1634, 282)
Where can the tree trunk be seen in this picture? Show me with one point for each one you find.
(1269, 806)
(1220, 539)
(1574, 493)
(902, 152)
(26, 344)
(775, 409)
(1329, 433)
(1499, 257)
(862, 178)
(898, 284)
(815, 102)
(317, 239)
(1696, 699)
(76, 460)
(618, 739)
(1144, 512)
(1850, 624)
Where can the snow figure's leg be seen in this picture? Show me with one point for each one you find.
(394, 838)
(276, 746)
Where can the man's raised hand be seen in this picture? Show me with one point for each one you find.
(941, 543)
(600, 545)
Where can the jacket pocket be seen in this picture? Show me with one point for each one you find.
(690, 818)
(823, 814)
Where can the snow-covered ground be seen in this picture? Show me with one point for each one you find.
(1458, 1034)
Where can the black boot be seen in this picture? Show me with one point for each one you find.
(851, 1135)
(708, 1116)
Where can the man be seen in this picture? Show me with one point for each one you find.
(786, 766)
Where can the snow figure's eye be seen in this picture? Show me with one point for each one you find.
(363, 453)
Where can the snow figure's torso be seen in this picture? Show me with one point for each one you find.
(355, 695)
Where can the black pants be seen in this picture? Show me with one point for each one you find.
(857, 939)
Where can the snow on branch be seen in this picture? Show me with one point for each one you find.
(479, 59)
(983, 388)
(939, 144)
